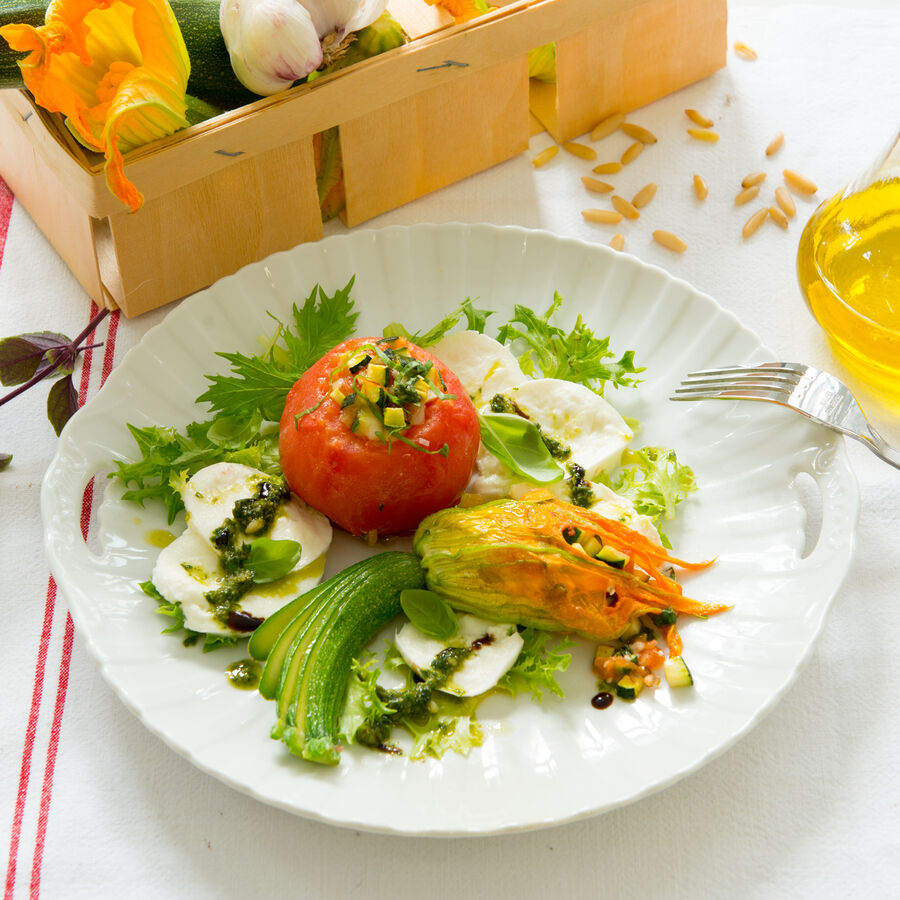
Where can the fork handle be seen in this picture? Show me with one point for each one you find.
(880, 447)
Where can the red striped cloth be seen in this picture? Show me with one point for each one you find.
(35, 774)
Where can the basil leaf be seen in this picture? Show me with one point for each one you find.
(270, 560)
(62, 403)
(24, 355)
(517, 442)
(429, 613)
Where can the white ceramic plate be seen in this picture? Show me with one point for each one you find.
(540, 764)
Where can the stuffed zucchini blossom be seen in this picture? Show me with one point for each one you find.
(116, 69)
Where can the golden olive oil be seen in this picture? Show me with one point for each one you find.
(848, 263)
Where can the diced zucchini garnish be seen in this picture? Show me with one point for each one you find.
(394, 417)
(370, 391)
(629, 687)
(592, 545)
(377, 373)
(611, 557)
(677, 673)
(338, 395)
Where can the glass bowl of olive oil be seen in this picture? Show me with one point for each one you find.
(848, 262)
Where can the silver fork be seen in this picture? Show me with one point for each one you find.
(810, 392)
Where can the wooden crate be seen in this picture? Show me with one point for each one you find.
(452, 102)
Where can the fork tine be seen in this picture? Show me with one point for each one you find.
(794, 370)
(774, 380)
(710, 392)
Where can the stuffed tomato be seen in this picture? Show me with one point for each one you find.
(377, 435)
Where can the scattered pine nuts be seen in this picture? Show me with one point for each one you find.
(595, 185)
(545, 156)
(698, 118)
(607, 126)
(620, 204)
(775, 144)
(746, 195)
(644, 195)
(602, 216)
(778, 217)
(617, 242)
(609, 168)
(702, 134)
(581, 150)
(632, 153)
(754, 178)
(670, 241)
(700, 188)
(784, 199)
(744, 51)
(638, 133)
(799, 183)
(753, 223)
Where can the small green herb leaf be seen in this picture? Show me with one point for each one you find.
(5, 460)
(517, 443)
(476, 319)
(62, 402)
(429, 613)
(270, 560)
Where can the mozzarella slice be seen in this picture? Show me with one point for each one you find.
(188, 568)
(496, 651)
(209, 496)
(484, 366)
(209, 499)
(576, 417)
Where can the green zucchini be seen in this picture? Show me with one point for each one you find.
(312, 653)
(677, 673)
(212, 78)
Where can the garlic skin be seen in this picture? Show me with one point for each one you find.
(273, 43)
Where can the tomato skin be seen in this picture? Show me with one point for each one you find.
(365, 485)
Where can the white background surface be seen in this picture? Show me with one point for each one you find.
(804, 806)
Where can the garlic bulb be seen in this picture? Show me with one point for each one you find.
(273, 43)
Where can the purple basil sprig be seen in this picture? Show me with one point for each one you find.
(26, 359)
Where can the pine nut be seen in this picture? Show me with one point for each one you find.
(581, 150)
(703, 135)
(602, 216)
(700, 188)
(746, 195)
(799, 183)
(607, 126)
(632, 153)
(617, 242)
(754, 178)
(784, 199)
(638, 133)
(595, 185)
(753, 223)
(698, 118)
(744, 51)
(775, 144)
(609, 168)
(644, 195)
(670, 241)
(545, 156)
(620, 204)
(778, 217)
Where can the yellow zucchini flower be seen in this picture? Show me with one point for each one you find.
(116, 69)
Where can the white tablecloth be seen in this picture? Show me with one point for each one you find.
(806, 805)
